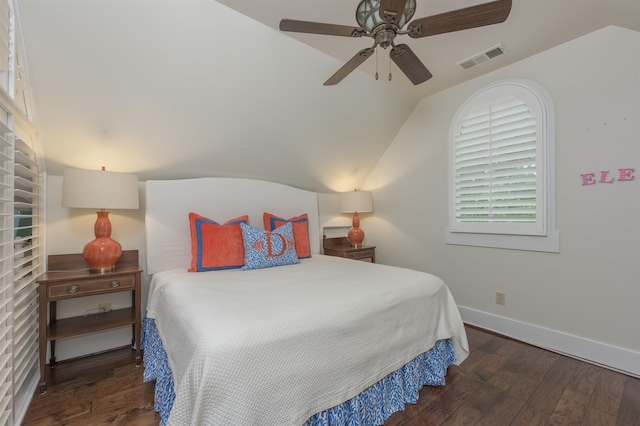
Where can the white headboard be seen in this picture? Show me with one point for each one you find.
(168, 203)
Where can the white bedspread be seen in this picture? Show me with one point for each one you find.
(275, 346)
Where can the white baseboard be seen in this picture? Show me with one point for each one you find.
(615, 358)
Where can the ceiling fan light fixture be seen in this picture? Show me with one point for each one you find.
(368, 14)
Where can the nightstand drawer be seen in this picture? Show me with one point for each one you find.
(340, 247)
(364, 254)
(88, 287)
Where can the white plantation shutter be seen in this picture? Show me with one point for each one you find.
(499, 163)
(6, 274)
(495, 164)
(20, 265)
(27, 266)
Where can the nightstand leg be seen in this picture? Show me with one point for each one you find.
(136, 301)
(135, 342)
(53, 313)
(42, 338)
(52, 360)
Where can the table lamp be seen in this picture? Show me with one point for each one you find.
(99, 189)
(356, 202)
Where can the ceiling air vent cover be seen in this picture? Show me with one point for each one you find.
(485, 56)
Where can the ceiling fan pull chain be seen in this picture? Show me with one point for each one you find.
(389, 69)
(376, 63)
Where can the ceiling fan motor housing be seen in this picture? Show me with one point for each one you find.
(368, 15)
(385, 34)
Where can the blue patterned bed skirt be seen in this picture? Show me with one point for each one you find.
(371, 407)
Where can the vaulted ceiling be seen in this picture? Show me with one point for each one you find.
(185, 88)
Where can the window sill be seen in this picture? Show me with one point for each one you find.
(549, 243)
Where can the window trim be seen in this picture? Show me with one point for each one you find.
(549, 239)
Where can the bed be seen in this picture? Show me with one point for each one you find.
(317, 340)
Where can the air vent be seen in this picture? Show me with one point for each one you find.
(485, 56)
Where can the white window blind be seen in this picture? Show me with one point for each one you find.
(21, 197)
(495, 164)
(501, 146)
(6, 273)
(27, 266)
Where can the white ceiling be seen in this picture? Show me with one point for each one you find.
(532, 27)
(184, 88)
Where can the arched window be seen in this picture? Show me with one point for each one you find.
(501, 152)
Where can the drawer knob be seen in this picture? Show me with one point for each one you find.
(114, 284)
(73, 289)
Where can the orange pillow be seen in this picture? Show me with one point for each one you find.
(300, 231)
(215, 246)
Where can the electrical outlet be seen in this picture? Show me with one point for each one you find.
(105, 307)
(500, 298)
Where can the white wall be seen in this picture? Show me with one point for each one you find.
(585, 300)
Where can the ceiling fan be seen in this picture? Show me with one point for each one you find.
(383, 20)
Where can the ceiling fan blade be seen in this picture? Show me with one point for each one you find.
(393, 8)
(346, 69)
(490, 13)
(319, 28)
(409, 63)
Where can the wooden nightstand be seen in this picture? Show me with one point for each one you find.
(69, 277)
(341, 247)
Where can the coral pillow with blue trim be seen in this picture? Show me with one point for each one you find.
(264, 249)
(215, 246)
(300, 231)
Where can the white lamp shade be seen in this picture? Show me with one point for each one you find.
(99, 189)
(356, 201)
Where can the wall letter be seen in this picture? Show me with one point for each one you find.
(603, 177)
(627, 174)
(588, 179)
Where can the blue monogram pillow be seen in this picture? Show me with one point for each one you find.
(264, 249)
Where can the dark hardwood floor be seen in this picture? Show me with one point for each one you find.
(503, 382)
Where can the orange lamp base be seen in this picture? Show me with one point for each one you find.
(355, 234)
(103, 253)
